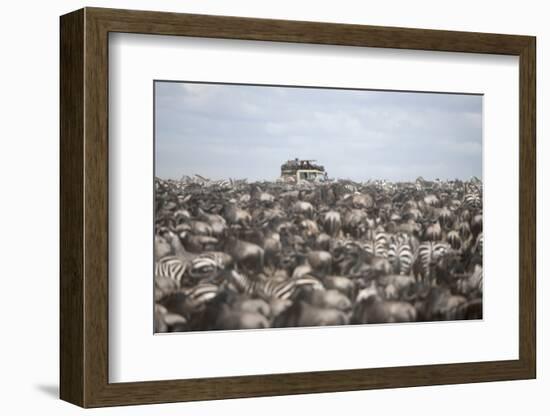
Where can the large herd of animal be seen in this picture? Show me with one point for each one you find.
(236, 255)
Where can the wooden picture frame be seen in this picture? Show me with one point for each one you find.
(84, 207)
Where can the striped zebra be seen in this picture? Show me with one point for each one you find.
(472, 200)
(173, 267)
(400, 254)
(209, 265)
(426, 257)
(377, 245)
(198, 295)
(277, 289)
(272, 288)
(242, 283)
(349, 188)
(203, 267)
(187, 301)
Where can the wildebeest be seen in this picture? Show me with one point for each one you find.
(236, 255)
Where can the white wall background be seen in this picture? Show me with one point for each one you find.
(29, 208)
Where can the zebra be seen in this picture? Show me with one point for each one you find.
(190, 300)
(400, 254)
(426, 257)
(221, 244)
(203, 267)
(200, 294)
(242, 283)
(173, 267)
(272, 288)
(349, 188)
(208, 266)
(285, 289)
(377, 245)
(472, 200)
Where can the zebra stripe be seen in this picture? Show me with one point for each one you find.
(377, 246)
(186, 301)
(428, 254)
(200, 294)
(209, 265)
(203, 267)
(350, 188)
(172, 267)
(472, 200)
(244, 284)
(272, 288)
(400, 254)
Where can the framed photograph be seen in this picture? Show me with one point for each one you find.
(255, 207)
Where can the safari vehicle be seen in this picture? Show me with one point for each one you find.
(299, 170)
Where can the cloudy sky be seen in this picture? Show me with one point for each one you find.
(242, 131)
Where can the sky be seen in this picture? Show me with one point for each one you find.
(244, 131)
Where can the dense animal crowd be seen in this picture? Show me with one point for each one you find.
(237, 255)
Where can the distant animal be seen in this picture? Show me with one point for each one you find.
(332, 223)
(304, 208)
(229, 254)
(246, 255)
(301, 314)
(370, 308)
(426, 258)
(377, 244)
(400, 254)
(172, 267)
